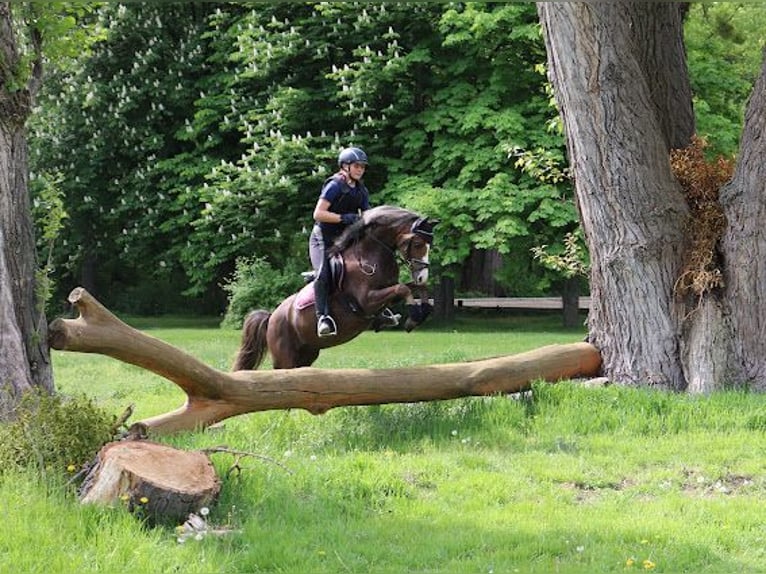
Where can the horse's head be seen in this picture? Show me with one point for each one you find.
(406, 232)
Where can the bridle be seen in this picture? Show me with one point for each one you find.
(403, 253)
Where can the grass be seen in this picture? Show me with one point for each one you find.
(562, 479)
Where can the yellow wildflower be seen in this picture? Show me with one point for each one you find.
(648, 564)
(143, 500)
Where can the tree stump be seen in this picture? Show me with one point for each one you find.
(161, 483)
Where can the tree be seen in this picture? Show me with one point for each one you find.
(121, 105)
(30, 33)
(24, 357)
(620, 80)
(724, 46)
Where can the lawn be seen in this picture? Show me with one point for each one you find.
(562, 479)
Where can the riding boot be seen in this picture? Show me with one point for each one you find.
(325, 323)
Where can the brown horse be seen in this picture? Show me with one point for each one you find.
(370, 281)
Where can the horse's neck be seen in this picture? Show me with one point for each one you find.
(385, 245)
(374, 256)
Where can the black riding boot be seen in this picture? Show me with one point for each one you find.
(325, 323)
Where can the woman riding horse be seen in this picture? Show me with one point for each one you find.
(343, 197)
(369, 252)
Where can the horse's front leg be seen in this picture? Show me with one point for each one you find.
(378, 298)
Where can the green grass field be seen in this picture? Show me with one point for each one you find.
(563, 479)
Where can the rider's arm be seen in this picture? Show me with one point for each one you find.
(323, 214)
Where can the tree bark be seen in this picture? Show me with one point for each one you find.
(620, 80)
(744, 249)
(214, 395)
(24, 357)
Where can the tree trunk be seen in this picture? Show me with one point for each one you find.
(620, 80)
(24, 357)
(214, 395)
(744, 249)
(445, 299)
(570, 302)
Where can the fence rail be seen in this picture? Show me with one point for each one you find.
(518, 302)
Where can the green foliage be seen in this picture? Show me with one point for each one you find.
(724, 43)
(53, 433)
(569, 262)
(258, 285)
(206, 131)
(49, 213)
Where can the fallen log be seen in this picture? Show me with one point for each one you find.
(158, 482)
(213, 395)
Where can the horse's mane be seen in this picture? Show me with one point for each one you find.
(383, 215)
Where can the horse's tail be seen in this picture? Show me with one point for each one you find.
(253, 346)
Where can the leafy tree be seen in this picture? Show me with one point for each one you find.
(724, 42)
(121, 107)
(476, 99)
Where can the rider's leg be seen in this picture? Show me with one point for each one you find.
(325, 323)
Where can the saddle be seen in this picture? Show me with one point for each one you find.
(305, 296)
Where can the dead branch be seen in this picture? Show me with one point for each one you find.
(214, 395)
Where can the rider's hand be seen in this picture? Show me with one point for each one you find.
(349, 218)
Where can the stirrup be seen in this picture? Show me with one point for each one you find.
(326, 326)
(388, 318)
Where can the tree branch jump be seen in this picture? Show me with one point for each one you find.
(214, 395)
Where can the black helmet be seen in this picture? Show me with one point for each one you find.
(352, 155)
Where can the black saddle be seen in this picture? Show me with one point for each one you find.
(337, 272)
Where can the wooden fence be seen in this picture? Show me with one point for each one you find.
(517, 302)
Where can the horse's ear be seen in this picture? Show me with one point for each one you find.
(424, 227)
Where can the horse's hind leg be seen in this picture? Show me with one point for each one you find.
(288, 356)
(307, 356)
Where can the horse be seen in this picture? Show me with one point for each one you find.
(366, 256)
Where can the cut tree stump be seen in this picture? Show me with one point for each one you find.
(158, 482)
(213, 395)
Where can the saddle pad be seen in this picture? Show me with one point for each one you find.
(305, 297)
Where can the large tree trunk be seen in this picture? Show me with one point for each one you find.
(620, 79)
(214, 395)
(744, 250)
(24, 357)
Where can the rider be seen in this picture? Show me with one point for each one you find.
(342, 200)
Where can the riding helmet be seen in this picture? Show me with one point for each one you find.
(352, 155)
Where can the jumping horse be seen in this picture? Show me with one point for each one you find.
(366, 279)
